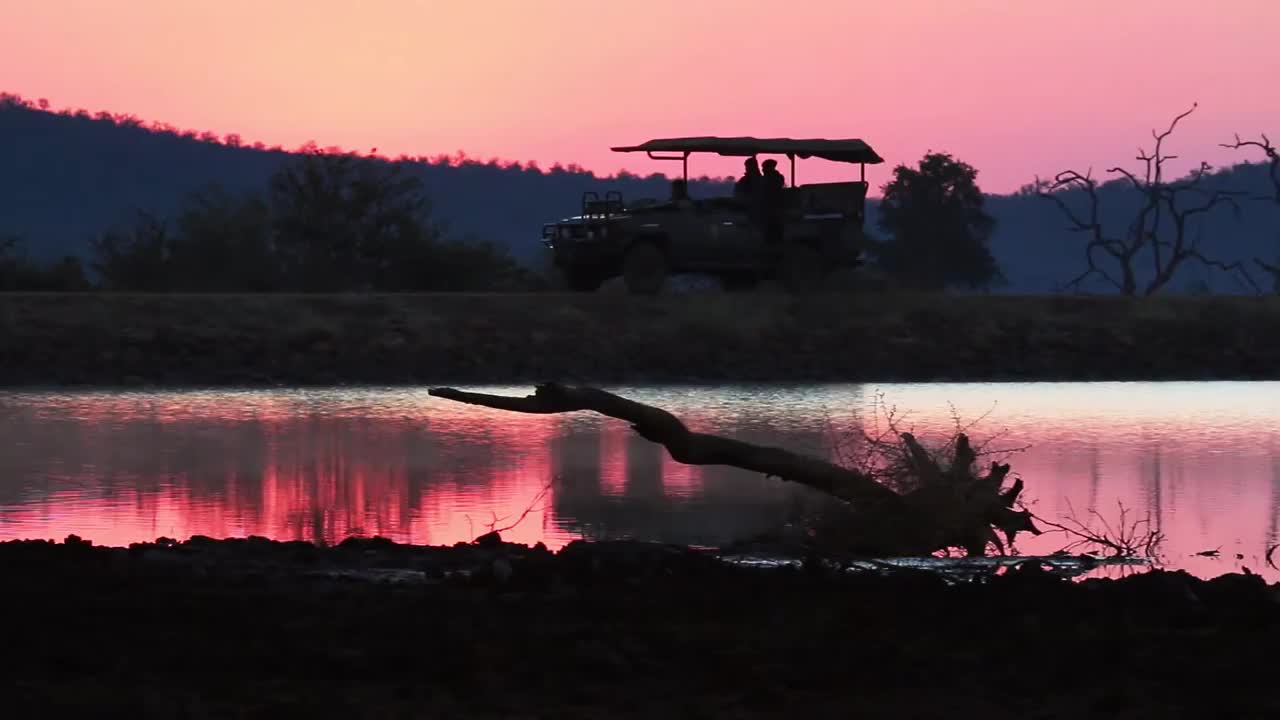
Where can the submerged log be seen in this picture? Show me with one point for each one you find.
(950, 507)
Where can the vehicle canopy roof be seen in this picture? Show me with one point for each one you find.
(840, 150)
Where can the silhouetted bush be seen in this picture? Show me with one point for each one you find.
(939, 231)
(327, 223)
(139, 258)
(226, 244)
(18, 273)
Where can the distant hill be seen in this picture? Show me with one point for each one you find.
(66, 177)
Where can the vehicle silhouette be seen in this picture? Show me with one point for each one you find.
(797, 236)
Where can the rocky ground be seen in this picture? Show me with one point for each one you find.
(370, 629)
(173, 340)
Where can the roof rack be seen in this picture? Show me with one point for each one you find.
(848, 150)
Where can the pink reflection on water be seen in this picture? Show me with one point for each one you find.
(1201, 458)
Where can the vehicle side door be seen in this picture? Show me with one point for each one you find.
(689, 238)
(735, 240)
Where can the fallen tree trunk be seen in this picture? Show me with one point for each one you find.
(951, 507)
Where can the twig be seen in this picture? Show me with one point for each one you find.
(493, 525)
(1273, 157)
(1129, 540)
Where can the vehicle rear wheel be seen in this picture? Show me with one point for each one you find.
(802, 269)
(644, 269)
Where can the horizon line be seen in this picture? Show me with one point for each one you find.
(458, 159)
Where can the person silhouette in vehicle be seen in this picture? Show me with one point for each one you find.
(772, 185)
(748, 186)
(772, 180)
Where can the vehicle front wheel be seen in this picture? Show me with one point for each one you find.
(645, 269)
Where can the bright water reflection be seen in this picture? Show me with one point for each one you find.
(118, 467)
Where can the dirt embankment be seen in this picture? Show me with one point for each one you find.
(103, 339)
(259, 629)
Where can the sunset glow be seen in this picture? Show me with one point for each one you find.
(1017, 89)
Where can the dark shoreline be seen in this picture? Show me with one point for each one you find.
(120, 340)
(256, 629)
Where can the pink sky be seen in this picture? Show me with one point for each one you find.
(1014, 87)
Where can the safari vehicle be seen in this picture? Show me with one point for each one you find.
(645, 241)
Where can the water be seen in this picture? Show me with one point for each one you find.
(1202, 459)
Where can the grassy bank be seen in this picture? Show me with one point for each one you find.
(106, 339)
(256, 629)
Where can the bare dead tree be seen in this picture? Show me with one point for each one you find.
(951, 504)
(1158, 230)
(1273, 171)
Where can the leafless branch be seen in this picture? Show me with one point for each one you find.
(880, 451)
(1098, 241)
(1179, 246)
(1272, 270)
(1125, 539)
(1273, 157)
(1159, 228)
(1273, 171)
(531, 507)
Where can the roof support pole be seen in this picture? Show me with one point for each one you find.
(792, 158)
(683, 158)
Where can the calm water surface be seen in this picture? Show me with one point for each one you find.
(117, 467)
